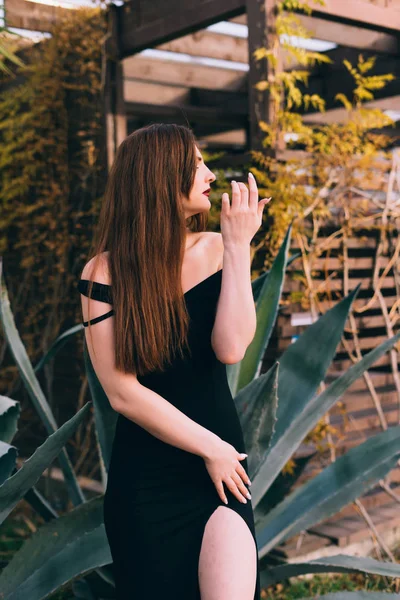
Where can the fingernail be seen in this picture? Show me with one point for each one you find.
(248, 496)
(226, 501)
(244, 501)
(233, 181)
(249, 482)
(251, 175)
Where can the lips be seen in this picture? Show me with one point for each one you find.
(207, 192)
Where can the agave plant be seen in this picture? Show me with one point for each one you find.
(277, 409)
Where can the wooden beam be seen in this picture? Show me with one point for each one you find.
(232, 101)
(210, 44)
(235, 137)
(363, 12)
(115, 120)
(342, 34)
(220, 46)
(145, 24)
(182, 74)
(345, 15)
(337, 115)
(261, 18)
(219, 118)
(350, 35)
(32, 15)
(150, 92)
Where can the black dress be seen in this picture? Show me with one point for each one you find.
(159, 497)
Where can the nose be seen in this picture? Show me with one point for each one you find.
(211, 177)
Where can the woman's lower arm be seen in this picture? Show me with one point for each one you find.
(166, 422)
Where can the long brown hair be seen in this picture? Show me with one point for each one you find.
(142, 226)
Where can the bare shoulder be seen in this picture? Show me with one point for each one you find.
(217, 244)
(212, 245)
(97, 269)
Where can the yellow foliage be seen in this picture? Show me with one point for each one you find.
(52, 174)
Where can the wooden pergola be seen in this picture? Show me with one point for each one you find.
(221, 103)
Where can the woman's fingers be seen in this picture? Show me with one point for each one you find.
(232, 486)
(243, 195)
(261, 205)
(244, 192)
(241, 487)
(253, 201)
(242, 472)
(236, 195)
(221, 492)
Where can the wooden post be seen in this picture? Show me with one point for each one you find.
(260, 21)
(115, 120)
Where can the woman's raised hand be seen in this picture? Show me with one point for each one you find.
(241, 219)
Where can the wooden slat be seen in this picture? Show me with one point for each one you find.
(333, 263)
(33, 15)
(353, 438)
(236, 137)
(182, 74)
(361, 241)
(203, 115)
(337, 284)
(339, 115)
(150, 92)
(210, 44)
(363, 401)
(374, 499)
(348, 530)
(367, 418)
(292, 548)
(365, 343)
(362, 12)
(389, 301)
(343, 34)
(362, 323)
(314, 467)
(147, 24)
(380, 380)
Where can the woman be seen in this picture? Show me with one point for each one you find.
(179, 307)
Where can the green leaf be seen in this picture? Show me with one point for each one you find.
(64, 548)
(340, 563)
(8, 459)
(57, 345)
(40, 504)
(259, 402)
(266, 309)
(304, 363)
(33, 388)
(350, 476)
(282, 485)
(298, 426)
(14, 488)
(9, 415)
(105, 416)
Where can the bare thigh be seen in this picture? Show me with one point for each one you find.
(228, 558)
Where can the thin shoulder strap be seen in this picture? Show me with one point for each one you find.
(101, 292)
